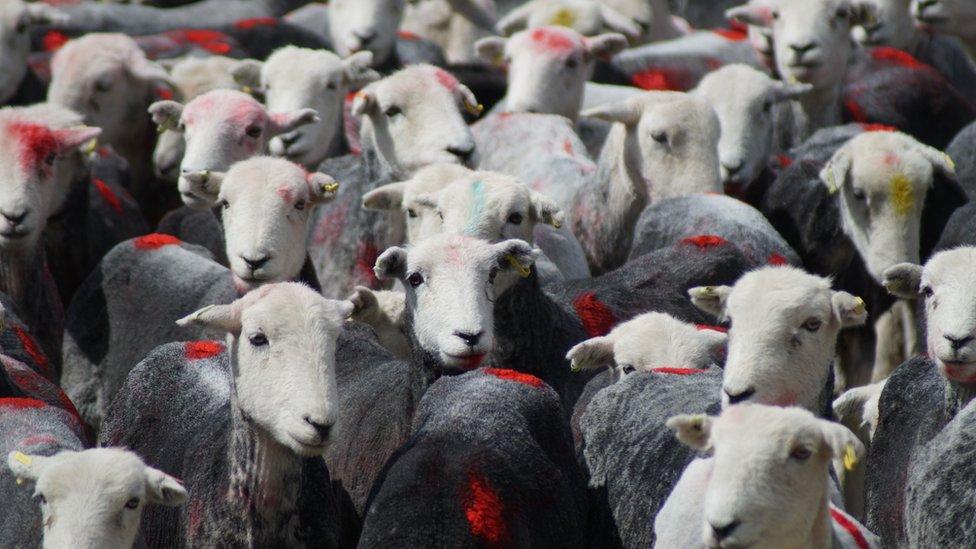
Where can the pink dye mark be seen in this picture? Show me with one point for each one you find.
(677, 371)
(21, 403)
(701, 327)
(407, 35)
(247, 24)
(856, 112)
(37, 440)
(661, 79)
(705, 241)
(512, 375)
(776, 259)
(365, 261)
(155, 241)
(53, 40)
(878, 128)
(286, 193)
(197, 350)
(568, 147)
(896, 57)
(36, 143)
(446, 79)
(330, 227)
(555, 40)
(108, 196)
(164, 94)
(784, 161)
(735, 35)
(33, 350)
(890, 159)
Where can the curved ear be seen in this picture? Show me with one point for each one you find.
(849, 309)
(284, 122)
(166, 114)
(591, 354)
(491, 49)
(148, 71)
(72, 138)
(247, 73)
(391, 264)
(164, 489)
(205, 182)
(226, 318)
(625, 112)
(386, 197)
(364, 103)
(322, 187)
(616, 21)
(604, 46)
(785, 92)
(468, 100)
(343, 308)
(711, 299)
(26, 467)
(941, 161)
(357, 69)
(426, 201)
(839, 440)
(751, 14)
(694, 431)
(544, 209)
(837, 171)
(365, 304)
(516, 255)
(903, 280)
(516, 19)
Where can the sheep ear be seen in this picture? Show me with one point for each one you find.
(516, 255)
(358, 70)
(627, 112)
(491, 49)
(605, 46)
(840, 442)
(25, 466)
(43, 14)
(850, 309)
(711, 299)
(546, 210)
(694, 431)
(391, 264)
(148, 71)
(164, 489)
(835, 174)
(468, 100)
(322, 187)
(226, 318)
(903, 280)
(364, 103)
(284, 122)
(386, 197)
(616, 21)
(941, 161)
(365, 304)
(73, 138)
(247, 73)
(516, 19)
(591, 354)
(750, 14)
(166, 114)
(786, 92)
(205, 182)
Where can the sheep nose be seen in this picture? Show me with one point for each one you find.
(321, 428)
(722, 532)
(365, 36)
(288, 138)
(462, 152)
(256, 263)
(958, 342)
(732, 167)
(470, 338)
(15, 218)
(800, 49)
(740, 397)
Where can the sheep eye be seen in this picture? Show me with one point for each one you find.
(572, 63)
(41, 499)
(393, 111)
(801, 454)
(492, 274)
(412, 213)
(515, 218)
(842, 13)
(812, 325)
(416, 279)
(660, 137)
(102, 85)
(767, 106)
(21, 27)
(628, 368)
(858, 193)
(181, 126)
(927, 291)
(50, 159)
(258, 340)
(253, 131)
(132, 503)
(331, 86)
(223, 204)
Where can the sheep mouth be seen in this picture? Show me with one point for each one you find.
(467, 361)
(14, 234)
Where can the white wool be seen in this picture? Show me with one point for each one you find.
(783, 335)
(952, 17)
(16, 20)
(365, 25)
(882, 179)
(858, 407)
(385, 312)
(893, 26)
(94, 498)
(449, 28)
(649, 341)
(588, 17)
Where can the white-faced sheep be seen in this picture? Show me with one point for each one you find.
(365, 25)
(662, 144)
(249, 425)
(588, 17)
(16, 20)
(94, 498)
(548, 67)
(767, 482)
(952, 17)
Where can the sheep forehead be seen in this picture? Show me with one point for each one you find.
(289, 306)
(953, 268)
(224, 106)
(195, 75)
(488, 192)
(679, 111)
(261, 176)
(292, 64)
(432, 178)
(558, 41)
(651, 324)
(449, 253)
(49, 114)
(99, 51)
(757, 427)
(417, 84)
(733, 82)
(783, 287)
(881, 157)
(107, 470)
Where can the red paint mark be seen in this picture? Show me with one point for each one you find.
(246, 24)
(701, 327)
(108, 196)
(21, 403)
(195, 521)
(847, 524)
(518, 377)
(784, 161)
(104, 152)
(556, 40)
(155, 241)
(286, 193)
(678, 371)
(33, 350)
(896, 57)
(878, 128)
(705, 241)
(210, 40)
(197, 350)
(365, 261)
(777, 259)
(53, 40)
(855, 110)
(734, 34)
(658, 79)
(164, 94)
(38, 439)
(596, 317)
(484, 510)
(407, 35)
(36, 143)
(446, 79)
(962, 373)
(568, 147)
(890, 159)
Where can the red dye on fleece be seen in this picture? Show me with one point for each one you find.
(245, 24)
(657, 79)
(896, 57)
(407, 35)
(365, 261)
(596, 317)
(878, 128)
(776, 259)
(36, 143)
(164, 94)
(32, 350)
(568, 147)
(705, 241)
(53, 40)
(677, 371)
(21, 403)
(155, 241)
(733, 34)
(701, 327)
(512, 375)
(210, 40)
(33, 384)
(108, 196)
(446, 79)
(553, 40)
(38, 439)
(851, 528)
(855, 110)
(485, 511)
(196, 350)
(784, 161)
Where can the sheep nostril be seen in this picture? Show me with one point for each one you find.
(365, 37)
(15, 218)
(802, 48)
(464, 153)
(740, 397)
(958, 342)
(289, 138)
(471, 339)
(256, 263)
(733, 167)
(322, 429)
(722, 532)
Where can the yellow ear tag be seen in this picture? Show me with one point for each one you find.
(950, 162)
(859, 306)
(708, 290)
(204, 176)
(698, 421)
(90, 146)
(850, 457)
(330, 187)
(552, 221)
(248, 90)
(563, 18)
(793, 79)
(831, 183)
(522, 270)
(573, 367)
(473, 109)
(23, 458)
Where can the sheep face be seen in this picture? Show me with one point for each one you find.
(945, 284)
(893, 26)
(219, 128)
(412, 119)
(587, 17)
(365, 25)
(769, 479)
(36, 173)
(784, 330)
(881, 179)
(743, 99)
(548, 67)
(955, 17)
(16, 20)
(649, 341)
(266, 205)
(283, 341)
(450, 287)
(94, 498)
(107, 79)
(295, 78)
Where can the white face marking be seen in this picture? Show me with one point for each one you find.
(365, 25)
(947, 284)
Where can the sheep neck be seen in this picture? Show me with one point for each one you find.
(818, 109)
(22, 276)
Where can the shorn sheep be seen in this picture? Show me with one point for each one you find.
(248, 425)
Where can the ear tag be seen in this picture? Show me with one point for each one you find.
(166, 125)
(859, 306)
(19, 481)
(23, 458)
(850, 457)
(793, 79)
(563, 18)
(831, 183)
(473, 109)
(552, 221)
(498, 61)
(328, 188)
(248, 90)
(573, 367)
(90, 147)
(949, 161)
(697, 422)
(708, 291)
(522, 270)
(204, 176)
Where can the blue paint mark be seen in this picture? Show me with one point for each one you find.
(478, 197)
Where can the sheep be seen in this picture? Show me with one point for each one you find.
(951, 17)
(17, 20)
(742, 493)
(925, 393)
(781, 344)
(107, 79)
(370, 25)
(97, 495)
(662, 144)
(655, 19)
(647, 343)
(506, 473)
(588, 17)
(253, 417)
(548, 67)
(296, 78)
(385, 312)
(960, 150)
(675, 219)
